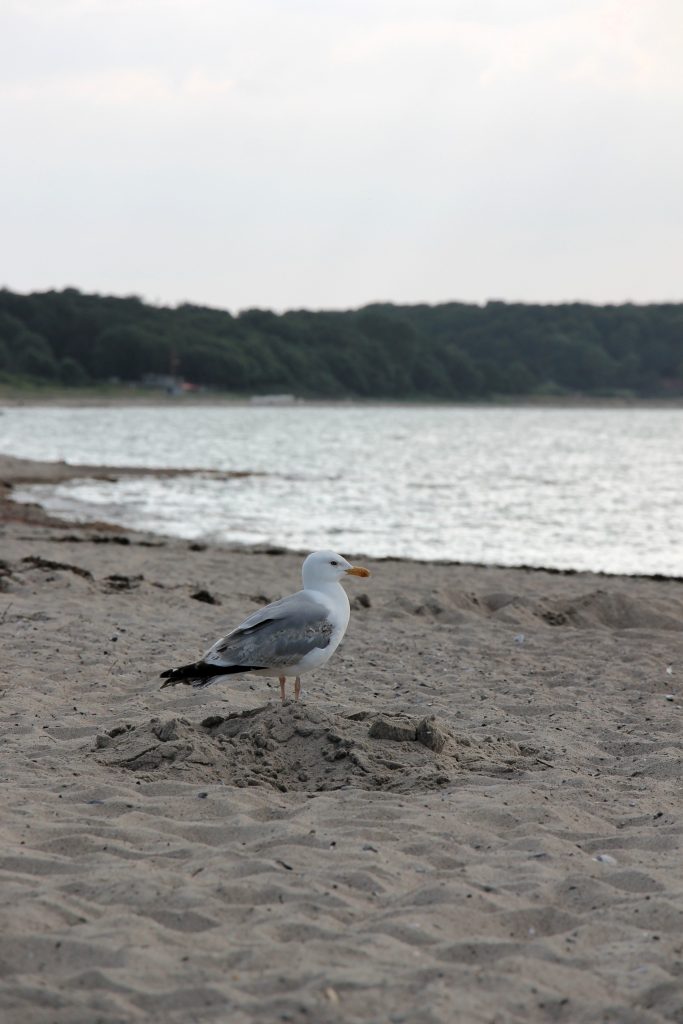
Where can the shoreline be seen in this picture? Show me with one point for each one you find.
(140, 399)
(17, 471)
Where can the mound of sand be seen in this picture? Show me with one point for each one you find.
(598, 608)
(615, 610)
(296, 747)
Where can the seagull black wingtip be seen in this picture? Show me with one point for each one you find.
(199, 673)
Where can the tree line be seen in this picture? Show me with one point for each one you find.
(450, 351)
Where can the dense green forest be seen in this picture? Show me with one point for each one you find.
(448, 351)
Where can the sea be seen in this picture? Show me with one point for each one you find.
(596, 489)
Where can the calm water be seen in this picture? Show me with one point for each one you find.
(597, 489)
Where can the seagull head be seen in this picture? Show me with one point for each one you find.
(323, 567)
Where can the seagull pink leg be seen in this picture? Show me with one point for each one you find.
(297, 688)
(282, 680)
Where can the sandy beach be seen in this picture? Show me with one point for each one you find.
(473, 816)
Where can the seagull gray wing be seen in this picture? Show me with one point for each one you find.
(275, 636)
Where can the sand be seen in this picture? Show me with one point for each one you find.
(474, 815)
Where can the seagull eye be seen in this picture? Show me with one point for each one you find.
(334, 563)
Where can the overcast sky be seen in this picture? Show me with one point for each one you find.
(329, 153)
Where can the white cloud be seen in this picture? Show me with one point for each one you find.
(119, 88)
(297, 153)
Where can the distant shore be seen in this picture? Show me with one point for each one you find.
(140, 397)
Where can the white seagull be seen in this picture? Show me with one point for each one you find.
(286, 638)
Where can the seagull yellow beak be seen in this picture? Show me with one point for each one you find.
(357, 570)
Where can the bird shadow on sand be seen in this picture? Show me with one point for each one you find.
(297, 747)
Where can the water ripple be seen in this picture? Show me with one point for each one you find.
(597, 489)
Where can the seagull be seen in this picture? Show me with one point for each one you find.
(286, 638)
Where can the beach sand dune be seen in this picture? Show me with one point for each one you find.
(210, 856)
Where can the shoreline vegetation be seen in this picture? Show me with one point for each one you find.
(171, 848)
(448, 352)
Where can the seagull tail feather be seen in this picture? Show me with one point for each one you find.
(200, 673)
